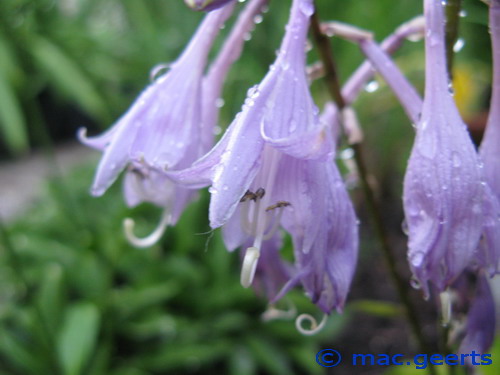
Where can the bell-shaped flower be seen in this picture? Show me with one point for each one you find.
(160, 130)
(273, 168)
(165, 127)
(206, 5)
(443, 189)
(490, 154)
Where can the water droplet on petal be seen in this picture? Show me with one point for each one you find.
(417, 258)
(225, 188)
(219, 102)
(212, 190)
(258, 18)
(404, 227)
(247, 36)
(415, 283)
(463, 13)
(158, 71)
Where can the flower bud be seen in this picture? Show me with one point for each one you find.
(206, 5)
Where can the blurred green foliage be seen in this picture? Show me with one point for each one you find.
(75, 298)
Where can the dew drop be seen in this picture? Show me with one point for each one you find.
(217, 130)
(158, 71)
(247, 36)
(219, 102)
(463, 13)
(417, 258)
(451, 90)
(253, 92)
(347, 154)
(372, 86)
(225, 188)
(459, 44)
(258, 19)
(415, 283)
(212, 190)
(404, 227)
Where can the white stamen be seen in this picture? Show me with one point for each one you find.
(128, 228)
(244, 212)
(272, 313)
(276, 224)
(249, 266)
(315, 327)
(445, 298)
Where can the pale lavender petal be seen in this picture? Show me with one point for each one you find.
(490, 146)
(233, 232)
(238, 165)
(99, 142)
(206, 5)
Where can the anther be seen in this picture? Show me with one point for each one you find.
(445, 298)
(128, 228)
(249, 266)
(259, 194)
(249, 195)
(279, 204)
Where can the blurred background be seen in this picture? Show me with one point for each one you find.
(77, 299)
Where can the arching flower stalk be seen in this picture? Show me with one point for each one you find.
(273, 168)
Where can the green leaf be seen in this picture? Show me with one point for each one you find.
(68, 76)
(50, 295)
(78, 337)
(268, 355)
(12, 121)
(18, 354)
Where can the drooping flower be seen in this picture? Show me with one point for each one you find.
(443, 190)
(160, 130)
(273, 168)
(206, 5)
(171, 124)
(490, 154)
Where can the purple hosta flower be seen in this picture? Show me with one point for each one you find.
(161, 130)
(443, 191)
(490, 153)
(480, 326)
(206, 5)
(273, 168)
